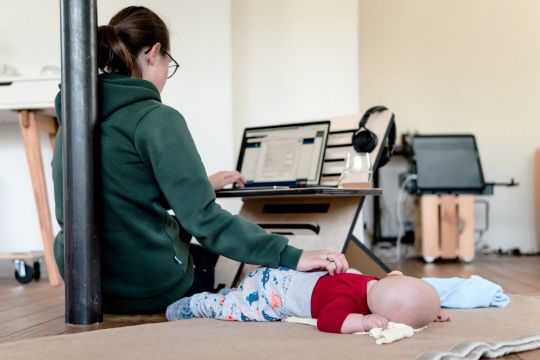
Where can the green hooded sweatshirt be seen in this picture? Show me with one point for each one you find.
(149, 165)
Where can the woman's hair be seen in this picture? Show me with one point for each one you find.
(129, 31)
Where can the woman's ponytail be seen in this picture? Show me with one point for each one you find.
(129, 32)
(113, 54)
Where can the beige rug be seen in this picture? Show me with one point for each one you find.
(213, 339)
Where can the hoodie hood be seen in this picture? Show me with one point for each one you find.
(117, 91)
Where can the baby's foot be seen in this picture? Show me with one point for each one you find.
(179, 310)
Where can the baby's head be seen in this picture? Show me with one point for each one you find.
(404, 299)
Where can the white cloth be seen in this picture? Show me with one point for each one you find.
(393, 331)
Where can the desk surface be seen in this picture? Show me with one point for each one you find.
(28, 93)
(310, 191)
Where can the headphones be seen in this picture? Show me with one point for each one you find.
(365, 140)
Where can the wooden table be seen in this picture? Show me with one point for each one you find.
(312, 218)
(316, 218)
(33, 100)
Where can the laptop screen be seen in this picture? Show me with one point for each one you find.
(447, 163)
(283, 155)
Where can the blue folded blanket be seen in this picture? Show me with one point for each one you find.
(469, 293)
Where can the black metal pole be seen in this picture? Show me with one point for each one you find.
(82, 271)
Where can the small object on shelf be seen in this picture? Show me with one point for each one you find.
(8, 70)
(358, 172)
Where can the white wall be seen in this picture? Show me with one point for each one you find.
(201, 90)
(442, 66)
(293, 61)
(463, 66)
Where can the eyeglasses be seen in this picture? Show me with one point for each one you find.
(172, 68)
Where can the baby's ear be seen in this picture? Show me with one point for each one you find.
(394, 273)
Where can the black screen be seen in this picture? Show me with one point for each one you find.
(447, 162)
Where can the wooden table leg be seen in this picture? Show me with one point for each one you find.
(429, 208)
(466, 234)
(49, 125)
(30, 134)
(449, 227)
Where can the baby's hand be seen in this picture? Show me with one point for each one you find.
(443, 316)
(374, 321)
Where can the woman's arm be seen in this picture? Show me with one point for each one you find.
(166, 147)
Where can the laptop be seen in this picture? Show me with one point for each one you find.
(448, 163)
(283, 156)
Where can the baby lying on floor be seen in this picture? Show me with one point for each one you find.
(342, 303)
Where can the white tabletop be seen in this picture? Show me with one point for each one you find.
(27, 93)
(4, 79)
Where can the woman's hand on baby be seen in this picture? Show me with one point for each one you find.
(443, 316)
(374, 321)
(223, 178)
(333, 262)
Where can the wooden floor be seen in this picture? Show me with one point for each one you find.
(37, 309)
